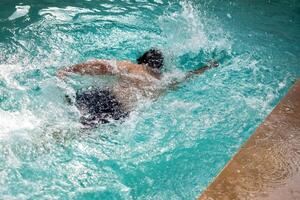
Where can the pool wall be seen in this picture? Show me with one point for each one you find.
(267, 166)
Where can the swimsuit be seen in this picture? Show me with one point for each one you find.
(98, 107)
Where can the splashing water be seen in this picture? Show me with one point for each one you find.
(170, 148)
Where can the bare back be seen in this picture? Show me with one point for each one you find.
(135, 82)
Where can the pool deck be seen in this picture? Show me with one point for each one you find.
(268, 164)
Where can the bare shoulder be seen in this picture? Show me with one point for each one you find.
(130, 67)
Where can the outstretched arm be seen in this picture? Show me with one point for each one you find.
(95, 67)
(201, 70)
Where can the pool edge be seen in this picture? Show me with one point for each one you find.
(267, 166)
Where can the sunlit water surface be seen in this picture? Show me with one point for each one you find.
(170, 148)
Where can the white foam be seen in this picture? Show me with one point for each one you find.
(14, 121)
(159, 1)
(190, 30)
(184, 30)
(7, 72)
(21, 11)
(63, 14)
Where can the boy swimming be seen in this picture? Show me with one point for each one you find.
(134, 80)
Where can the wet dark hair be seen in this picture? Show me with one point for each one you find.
(152, 58)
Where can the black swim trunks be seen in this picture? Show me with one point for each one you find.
(98, 107)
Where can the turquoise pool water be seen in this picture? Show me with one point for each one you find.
(170, 148)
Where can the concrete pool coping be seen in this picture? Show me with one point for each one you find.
(268, 165)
